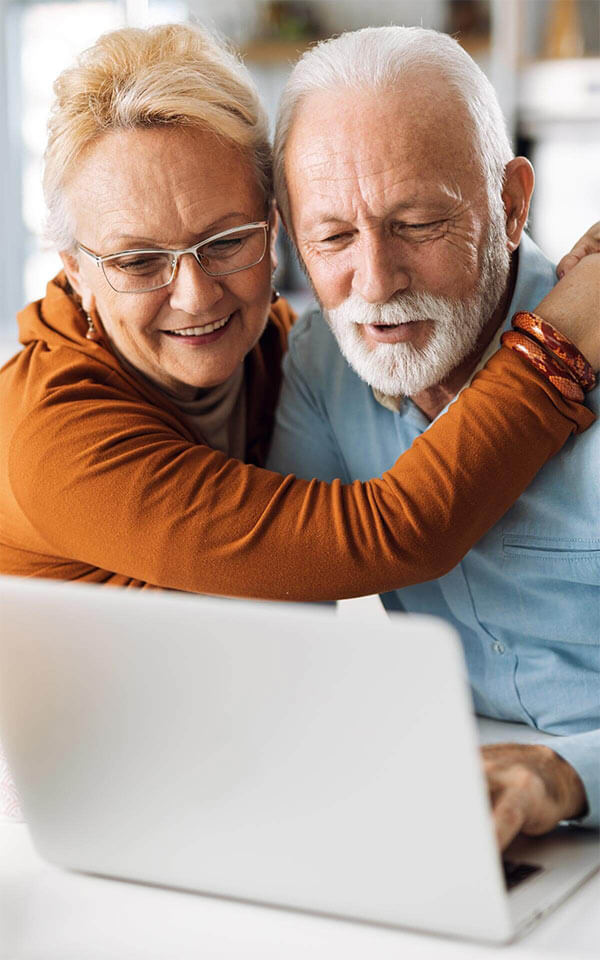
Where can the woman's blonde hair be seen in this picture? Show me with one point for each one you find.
(175, 74)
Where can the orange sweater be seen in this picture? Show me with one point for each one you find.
(101, 480)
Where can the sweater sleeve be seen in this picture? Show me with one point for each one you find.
(106, 479)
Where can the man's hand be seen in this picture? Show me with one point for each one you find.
(573, 307)
(531, 789)
(588, 243)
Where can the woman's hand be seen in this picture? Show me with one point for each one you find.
(588, 243)
(573, 306)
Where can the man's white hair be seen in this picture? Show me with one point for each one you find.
(378, 57)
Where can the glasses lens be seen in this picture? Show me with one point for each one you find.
(236, 251)
(138, 272)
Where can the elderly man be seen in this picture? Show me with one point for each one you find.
(397, 182)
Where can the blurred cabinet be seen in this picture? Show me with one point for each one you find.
(550, 50)
(559, 117)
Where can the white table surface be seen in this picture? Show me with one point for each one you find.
(50, 914)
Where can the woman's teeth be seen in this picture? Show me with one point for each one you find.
(201, 331)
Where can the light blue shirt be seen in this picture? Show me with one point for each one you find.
(526, 599)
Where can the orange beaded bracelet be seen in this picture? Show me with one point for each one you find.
(554, 341)
(558, 376)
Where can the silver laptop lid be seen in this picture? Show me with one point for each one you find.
(258, 751)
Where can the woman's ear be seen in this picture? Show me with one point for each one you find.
(76, 279)
(519, 180)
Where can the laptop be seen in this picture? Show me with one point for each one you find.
(271, 753)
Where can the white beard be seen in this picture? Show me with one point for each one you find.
(401, 369)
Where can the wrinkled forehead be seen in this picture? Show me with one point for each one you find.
(160, 184)
(417, 133)
(173, 156)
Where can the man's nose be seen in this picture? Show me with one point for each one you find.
(192, 290)
(379, 272)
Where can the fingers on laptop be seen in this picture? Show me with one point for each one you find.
(517, 796)
(588, 243)
(531, 789)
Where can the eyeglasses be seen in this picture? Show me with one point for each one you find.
(140, 271)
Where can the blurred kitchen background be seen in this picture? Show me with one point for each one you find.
(543, 57)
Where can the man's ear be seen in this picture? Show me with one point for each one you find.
(519, 179)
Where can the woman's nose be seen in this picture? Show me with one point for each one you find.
(192, 290)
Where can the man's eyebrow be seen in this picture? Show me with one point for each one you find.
(425, 203)
(417, 203)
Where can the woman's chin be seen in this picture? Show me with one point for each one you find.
(185, 384)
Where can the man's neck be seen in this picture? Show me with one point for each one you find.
(433, 400)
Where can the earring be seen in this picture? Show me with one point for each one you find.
(275, 295)
(92, 333)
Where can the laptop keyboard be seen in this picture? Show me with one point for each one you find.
(515, 873)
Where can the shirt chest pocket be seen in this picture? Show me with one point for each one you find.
(555, 585)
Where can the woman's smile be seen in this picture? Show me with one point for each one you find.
(202, 334)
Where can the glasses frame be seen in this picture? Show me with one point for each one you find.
(175, 255)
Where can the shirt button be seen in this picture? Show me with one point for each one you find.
(498, 647)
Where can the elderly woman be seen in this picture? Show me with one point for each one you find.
(150, 370)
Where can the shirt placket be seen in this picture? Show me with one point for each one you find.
(499, 661)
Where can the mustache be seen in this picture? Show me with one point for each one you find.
(401, 309)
